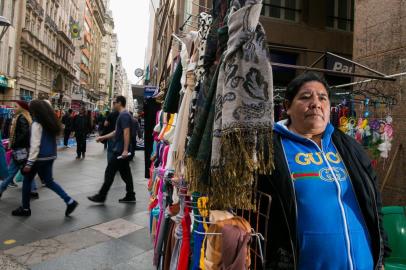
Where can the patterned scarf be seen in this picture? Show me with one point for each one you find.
(205, 21)
(243, 121)
(23, 113)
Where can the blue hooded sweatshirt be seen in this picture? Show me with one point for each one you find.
(330, 227)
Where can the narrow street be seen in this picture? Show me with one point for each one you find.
(110, 236)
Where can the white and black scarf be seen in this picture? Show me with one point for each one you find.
(242, 131)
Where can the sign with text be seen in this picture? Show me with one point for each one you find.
(337, 64)
(149, 91)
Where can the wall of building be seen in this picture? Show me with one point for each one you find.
(379, 42)
(12, 10)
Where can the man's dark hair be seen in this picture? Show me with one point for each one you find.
(295, 85)
(122, 100)
(70, 111)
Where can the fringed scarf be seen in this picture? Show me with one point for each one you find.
(23, 113)
(243, 121)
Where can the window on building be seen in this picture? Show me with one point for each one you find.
(39, 29)
(13, 7)
(10, 53)
(27, 21)
(26, 94)
(340, 14)
(281, 9)
(2, 7)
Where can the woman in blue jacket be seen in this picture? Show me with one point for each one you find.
(43, 151)
(326, 208)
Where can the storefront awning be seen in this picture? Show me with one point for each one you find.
(3, 81)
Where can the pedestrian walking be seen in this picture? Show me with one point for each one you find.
(81, 129)
(19, 143)
(67, 121)
(43, 151)
(121, 154)
(110, 126)
(3, 163)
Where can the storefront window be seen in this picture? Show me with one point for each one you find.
(340, 14)
(281, 9)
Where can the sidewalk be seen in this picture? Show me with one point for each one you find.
(111, 236)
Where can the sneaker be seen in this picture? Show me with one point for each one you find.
(128, 199)
(78, 157)
(70, 208)
(21, 212)
(34, 195)
(13, 185)
(97, 198)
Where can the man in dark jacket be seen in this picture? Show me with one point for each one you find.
(20, 144)
(67, 121)
(81, 129)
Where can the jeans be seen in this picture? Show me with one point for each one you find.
(44, 171)
(66, 136)
(13, 169)
(81, 143)
(114, 165)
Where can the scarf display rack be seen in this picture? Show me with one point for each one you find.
(203, 197)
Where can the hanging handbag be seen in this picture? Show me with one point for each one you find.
(20, 155)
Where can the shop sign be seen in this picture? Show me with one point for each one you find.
(3, 81)
(149, 91)
(337, 64)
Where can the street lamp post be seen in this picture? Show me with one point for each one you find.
(4, 24)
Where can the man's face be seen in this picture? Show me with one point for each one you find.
(116, 105)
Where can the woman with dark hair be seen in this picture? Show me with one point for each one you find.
(44, 130)
(326, 208)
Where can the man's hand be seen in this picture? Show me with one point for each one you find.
(26, 169)
(124, 155)
(100, 139)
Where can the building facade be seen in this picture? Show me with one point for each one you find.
(297, 31)
(105, 79)
(380, 44)
(12, 10)
(45, 54)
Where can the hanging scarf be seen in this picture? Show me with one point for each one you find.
(200, 144)
(23, 113)
(205, 21)
(242, 132)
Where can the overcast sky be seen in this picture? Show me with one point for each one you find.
(131, 18)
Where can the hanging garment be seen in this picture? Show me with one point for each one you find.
(235, 245)
(205, 21)
(244, 110)
(200, 228)
(171, 104)
(169, 245)
(200, 144)
(150, 109)
(214, 243)
(179, 143)
(185, 251)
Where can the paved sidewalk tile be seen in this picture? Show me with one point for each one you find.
(103, 256)
(7, 264)
(117, 228)
(140, 262)
(48, 249)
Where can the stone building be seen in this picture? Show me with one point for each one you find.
(380, 43)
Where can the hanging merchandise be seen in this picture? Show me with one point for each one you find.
(243, 110)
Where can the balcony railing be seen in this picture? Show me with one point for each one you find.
(51, 23)
(36, 7)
